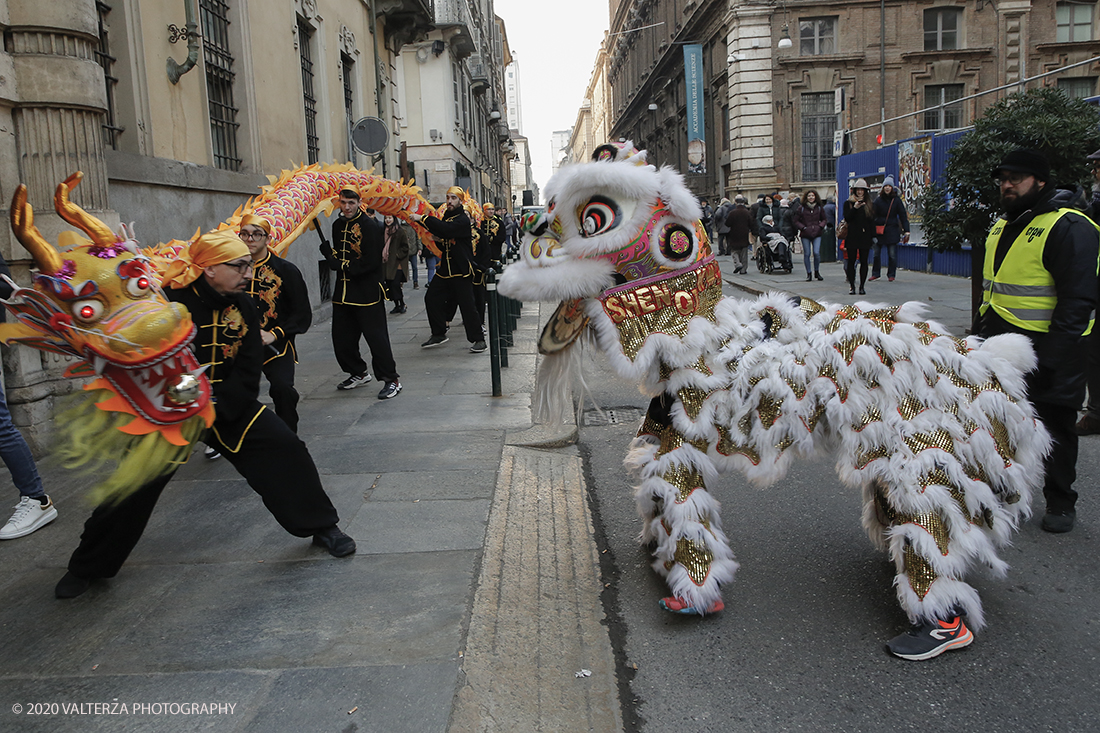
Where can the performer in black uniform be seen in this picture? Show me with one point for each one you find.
(279, 293)
(211, 281)
(454, 274)
(489, 251)
(358, 301)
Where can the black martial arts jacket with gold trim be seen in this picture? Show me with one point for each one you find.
(279, 293)
(355, 255)
(455, 242)
(228, 344)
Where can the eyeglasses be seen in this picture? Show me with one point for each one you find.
(247, 235)
(1013, 178)
(241, 267)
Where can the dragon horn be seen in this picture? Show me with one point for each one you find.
(22, 223)
(100, 233)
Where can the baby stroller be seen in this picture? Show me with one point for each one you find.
(774, 254)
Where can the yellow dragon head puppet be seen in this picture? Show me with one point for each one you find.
(100, 301)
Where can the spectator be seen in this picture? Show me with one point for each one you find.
(1040, 281)
(810, 222)
(891, 227)
(34, 510)
(722, 227)
(769, 207)
(707, 219)
(786, 221)
(397, 244)
(1089, 424)
(861, 222)
(739, 222)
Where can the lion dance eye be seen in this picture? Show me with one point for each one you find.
(138, 286)
(87, 310)
(598, 216)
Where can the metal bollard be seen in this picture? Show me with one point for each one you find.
(494, 331)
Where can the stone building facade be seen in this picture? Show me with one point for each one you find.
(773, 109)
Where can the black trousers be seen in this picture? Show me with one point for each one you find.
(273, 460)
(1060, 467)
(864, 254)
(441, 294)
(280, 374)
(393, 291)
(349, 323)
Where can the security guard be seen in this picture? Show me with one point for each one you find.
(1039, 280)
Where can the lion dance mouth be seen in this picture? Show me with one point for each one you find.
(100, 302)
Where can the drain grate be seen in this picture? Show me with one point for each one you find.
(612, 416)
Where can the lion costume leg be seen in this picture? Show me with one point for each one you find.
(681, 518)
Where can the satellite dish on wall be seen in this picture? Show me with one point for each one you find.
(370, 135)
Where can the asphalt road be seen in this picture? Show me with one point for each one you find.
(799, 646)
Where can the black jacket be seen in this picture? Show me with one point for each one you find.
(1070, 256)
(228, 343)
(890, 213)
(279, 293)
(356, 256)
(455, 242)
(861, 226)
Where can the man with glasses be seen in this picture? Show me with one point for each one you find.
(1040, 280)
(210, 280)
(358, 299)
(279, 293)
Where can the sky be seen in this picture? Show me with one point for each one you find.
(555, 45)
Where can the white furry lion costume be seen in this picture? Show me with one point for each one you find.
(935, 430)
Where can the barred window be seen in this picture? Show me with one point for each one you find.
(818, 125)
(1078, 87)
(309, 98)
(111, 131)
(347, 67)
(219, 83)
(947, 117)
(941, 29)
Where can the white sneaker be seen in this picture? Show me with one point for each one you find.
(30, 514)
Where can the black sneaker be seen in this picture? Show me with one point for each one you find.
(211, 453)
(390, 390)
(477, 347)
(355, 380)
(434, 341)
(71, 586)
(931, 639)
(336, 542)
(1058, 522)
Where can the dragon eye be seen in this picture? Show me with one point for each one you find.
(598, 216)
(138, 286)
(87, 310)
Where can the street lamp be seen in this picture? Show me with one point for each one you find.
(785, 41)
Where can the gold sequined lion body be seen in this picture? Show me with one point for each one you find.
(936, 431)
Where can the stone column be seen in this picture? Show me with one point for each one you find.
(52, 107)
(752, 116)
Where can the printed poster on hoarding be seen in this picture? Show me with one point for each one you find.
(914, 175)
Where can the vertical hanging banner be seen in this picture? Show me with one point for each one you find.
(696, 127)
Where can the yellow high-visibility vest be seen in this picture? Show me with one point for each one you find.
(1022, 291)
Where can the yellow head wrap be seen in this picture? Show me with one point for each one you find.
(212, 248)
(489, 205)
(457, 191)
(256, 221)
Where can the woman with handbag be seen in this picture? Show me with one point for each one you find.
(395, 257)
(810, 222)
(891, 227)
(859, 222)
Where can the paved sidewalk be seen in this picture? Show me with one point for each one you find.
(476, 579)
(948, 298)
